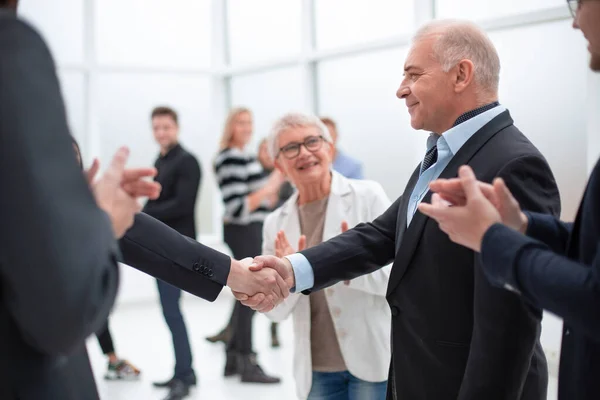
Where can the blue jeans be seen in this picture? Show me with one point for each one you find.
(169, 300)
(344, 386)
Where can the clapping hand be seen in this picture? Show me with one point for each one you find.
(465, 209)
(118, 189)
(283, 247)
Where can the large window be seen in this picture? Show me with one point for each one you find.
(544, 95)
(154, 33)
(269, 95)
(374, 126)
(74, 96)
(349, 22)
(480, 9)
(260, 30)
(61, 23)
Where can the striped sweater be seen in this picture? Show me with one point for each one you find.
(239, 174)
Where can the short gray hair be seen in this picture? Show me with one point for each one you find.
(458, 40)
(295, 120)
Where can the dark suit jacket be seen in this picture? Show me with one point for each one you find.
(58, 269)
(160, 251)
(557, 267)
(179, 175)
(454, 336)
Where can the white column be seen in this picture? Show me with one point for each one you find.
(309, 66)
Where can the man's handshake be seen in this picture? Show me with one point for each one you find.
(262, 283)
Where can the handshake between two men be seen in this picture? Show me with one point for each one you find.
(262, 283)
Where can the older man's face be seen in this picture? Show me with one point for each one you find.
(427, 90)
(588, 20)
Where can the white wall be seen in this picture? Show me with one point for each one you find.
(119, 58)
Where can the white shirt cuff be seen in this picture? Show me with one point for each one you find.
(303, 272)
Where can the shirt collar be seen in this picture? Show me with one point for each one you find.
(466, 126)
(172, 150)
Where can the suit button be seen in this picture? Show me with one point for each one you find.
(210, 274)
(395, 311)
(195, 267)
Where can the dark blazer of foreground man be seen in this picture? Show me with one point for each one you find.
(58, 256)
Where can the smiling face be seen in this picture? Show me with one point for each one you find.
(428, 90)
(308, 167)
(587, 20)
(166, 131)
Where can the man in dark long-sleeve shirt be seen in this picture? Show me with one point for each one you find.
(179, 175)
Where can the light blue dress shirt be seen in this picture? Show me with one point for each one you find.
(449, 143)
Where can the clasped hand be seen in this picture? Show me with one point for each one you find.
(280, 271)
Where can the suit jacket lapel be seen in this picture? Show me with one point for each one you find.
(410, 239)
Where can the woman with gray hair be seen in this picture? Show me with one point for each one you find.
(342, 334)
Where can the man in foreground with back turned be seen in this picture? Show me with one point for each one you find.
(552, 264)
(454, 336)
(58, 255)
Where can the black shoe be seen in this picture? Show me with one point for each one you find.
(179, 390)
(165, 384)
(252, 372)
(190, 381)
(231, 365)
(274, 338)
(222, 336)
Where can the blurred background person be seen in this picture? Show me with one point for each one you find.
(342, 163)
(179, 175)
(249, 195)
(328, 324)
(285, 191)
(117, 368)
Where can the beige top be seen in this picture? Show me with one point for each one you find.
(325, 348)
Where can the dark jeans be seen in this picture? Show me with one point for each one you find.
(169, 300)
(344, 386)
(105, 340)
(244, 241)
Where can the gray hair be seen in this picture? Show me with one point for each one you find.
(458, 40)
(291, 121)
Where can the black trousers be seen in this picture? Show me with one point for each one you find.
(105, 340)
(244, 241)
(169, 301)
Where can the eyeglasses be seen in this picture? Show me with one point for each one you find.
(574, 6)
(292, 150)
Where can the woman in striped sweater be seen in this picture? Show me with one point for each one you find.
(249, 195)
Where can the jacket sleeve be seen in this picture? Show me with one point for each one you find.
(550, 230)
(375, 283)
(505, 327)
(154, 248)
(58, 255)
(186, 192)
(562, 286)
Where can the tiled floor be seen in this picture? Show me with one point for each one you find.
(141, 335)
